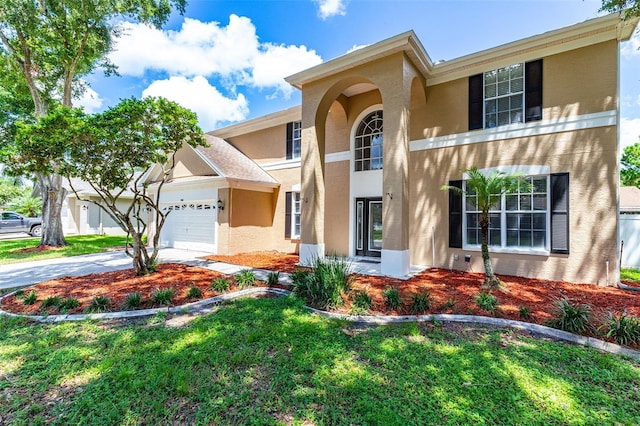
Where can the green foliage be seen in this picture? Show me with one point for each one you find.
(132, 301)
(448, 304)
(245, 278)
(9, 191)
(630, 274)
(487, 301)
(322, 287)
(51, 302)
(623, 329)
(220, 284)
(524, 312)
(30, 298)
(162, 296)
(194, 293)
(571, 317)
(98, 305)
(630, 7)
(630, 166)
(392, 297)
(26, 205)
(273, 277)
(68, 304)
(361, 302)
(420, 303)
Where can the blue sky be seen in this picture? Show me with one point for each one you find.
(226, 60)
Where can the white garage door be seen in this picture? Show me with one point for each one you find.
(190, 225)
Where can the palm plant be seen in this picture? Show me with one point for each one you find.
(489, 189)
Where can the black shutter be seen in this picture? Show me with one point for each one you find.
(455, 215)
(287, 215)
(289, 141)
(475, 102)
(560, 213)
(533, 90)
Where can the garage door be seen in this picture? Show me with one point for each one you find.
(190, 226)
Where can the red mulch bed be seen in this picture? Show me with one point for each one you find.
(456, 287)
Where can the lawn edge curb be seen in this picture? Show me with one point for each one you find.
(203, 306)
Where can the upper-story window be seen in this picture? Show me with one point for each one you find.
(507, 95)
(294, 140)
(368, 143)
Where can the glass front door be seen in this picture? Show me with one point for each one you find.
(369, 226)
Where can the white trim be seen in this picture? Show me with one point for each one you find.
(310, 252)
(284, 164)
(270, 120)
(395, 263)
(519, 130)
(335, 157)
(525, 170)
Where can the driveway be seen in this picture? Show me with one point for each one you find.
(27, 273)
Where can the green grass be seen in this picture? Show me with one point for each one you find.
(269, 361)
(630, 274)
(79, 244)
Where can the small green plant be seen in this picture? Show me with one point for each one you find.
(420, 303)
(194, 293)
(323, 286)
(273, 277)
(220, 284)
(153, 267)
(487, 301)
(99, 304)
(68, 304)
(19, 294)
(245, 278)
(571, 317)
(392, 297)
(51, 302)
(162, 296)
(524, 312)
(448, 304)
(361, 302)
(158, 317)
(623, 329)
(132, 301)
(30, 298)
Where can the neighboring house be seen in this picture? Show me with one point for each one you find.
(357, 169)
(630, 226)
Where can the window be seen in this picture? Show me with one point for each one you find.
(294, 140)
(368, 143)
(532, 219)
(507, 95)
(292, 215)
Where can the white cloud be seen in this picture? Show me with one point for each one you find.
(90, 100)
(630, 48)
(629, 131)
(329, 8)
(201, 97)
(232, 53)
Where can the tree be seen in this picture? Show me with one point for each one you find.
(489, 190)
(631, 7)
(48, 46)
(630, 161)
(112, 151)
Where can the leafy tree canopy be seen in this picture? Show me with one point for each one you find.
(631, 6)
(630, 161)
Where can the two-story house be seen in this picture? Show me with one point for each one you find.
(357, 170)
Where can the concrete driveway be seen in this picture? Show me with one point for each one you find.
(27, 273)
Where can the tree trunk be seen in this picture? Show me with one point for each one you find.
(491, 282)
(53, 195)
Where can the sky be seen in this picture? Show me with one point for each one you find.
(227, 60)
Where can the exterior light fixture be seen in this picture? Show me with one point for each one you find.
(220, 205)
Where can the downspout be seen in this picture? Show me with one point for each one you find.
(433, 247)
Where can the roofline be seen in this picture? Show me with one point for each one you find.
(259, 123)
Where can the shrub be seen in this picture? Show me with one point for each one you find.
(361, 302)
(68, 304)
(162, 296)
(487, 301)
(99, 304)
(30, 298)
(623, 329)
(571, 317)
(420, 303)
(448, 304)
(392, 297)
(132, 301)
(51, 302)
(194, 293)
(323, 286)
(524, 312)
(273, 277)
(246, 278)
(220, 284)
(19, 294)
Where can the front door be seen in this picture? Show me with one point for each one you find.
(369, 227)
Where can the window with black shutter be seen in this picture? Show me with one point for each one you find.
(455, 215)
(560, 213)
(287, 215)
(533, 90)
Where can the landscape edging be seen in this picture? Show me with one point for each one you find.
(203, 305)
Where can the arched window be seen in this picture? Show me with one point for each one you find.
(368, 143)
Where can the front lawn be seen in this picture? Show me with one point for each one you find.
(13, 251)
(630, 275)
(269, 361)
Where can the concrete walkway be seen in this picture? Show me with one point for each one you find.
(28, 273)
